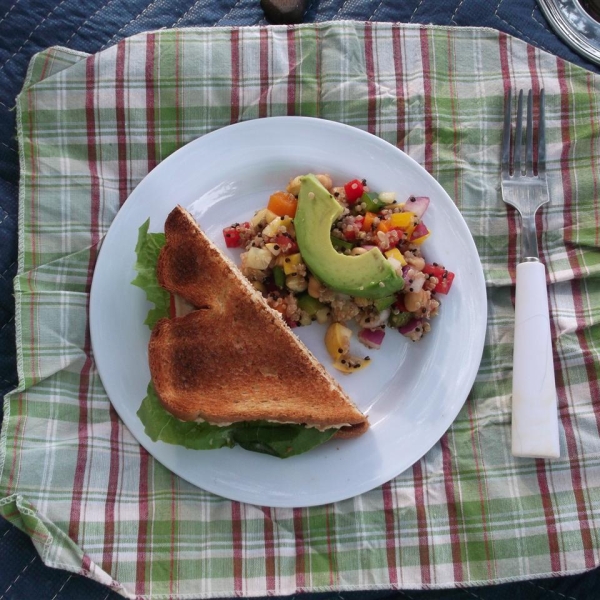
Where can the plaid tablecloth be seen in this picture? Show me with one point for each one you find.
(94, 502)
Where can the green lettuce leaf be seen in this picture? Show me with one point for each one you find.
(257, 436)
(147, 249)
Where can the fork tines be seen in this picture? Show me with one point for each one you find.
(517, 140)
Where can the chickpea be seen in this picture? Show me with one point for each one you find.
(415, 300)
(314, 287)
(296, 283)
(293, 187)
(325, 181)
(416, 261)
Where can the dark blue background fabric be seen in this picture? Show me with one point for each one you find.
(28, 26)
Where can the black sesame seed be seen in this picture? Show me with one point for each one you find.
(340, 351)
(367, 358)
(336, 194)
(343, 361)
(410, 289)
(435, 264)
(287, 260)
(364, 182)
(276, 247)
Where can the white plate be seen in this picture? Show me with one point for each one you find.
(411, 392)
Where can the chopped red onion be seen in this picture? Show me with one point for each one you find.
(417, 205)
(372, 338)
(410, 326)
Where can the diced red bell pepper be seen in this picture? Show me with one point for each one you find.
(445, 283)
(445, 277)
(287, 244)
(399, 304)
(354, 190)
(349, 235)
(232, 237)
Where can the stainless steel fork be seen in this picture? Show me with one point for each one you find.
(534, 405)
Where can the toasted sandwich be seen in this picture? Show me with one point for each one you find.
(232, 358)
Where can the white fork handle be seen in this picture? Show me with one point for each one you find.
(534, 403)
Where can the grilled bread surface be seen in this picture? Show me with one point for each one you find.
(233, 358)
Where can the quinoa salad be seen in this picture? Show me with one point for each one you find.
(272, 262)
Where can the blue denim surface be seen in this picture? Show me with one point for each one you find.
(28, 26)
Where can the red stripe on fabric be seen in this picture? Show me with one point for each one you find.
(455, 125)
(45, 65)
(292, 71)
(86, 564)
(504, 61)
(576, 476)
(486, 540)
(300, 549)
(427, 100)
(511, 214)
(150, 117)
(120, 115)
(452, 510)
(424, 557)
(540, 465)
(235, 76)
(84, 380)
(371, 88)
(140, 572)
(399, 72)
(236, 539)
(553, 544)
(390, 532)
(111, 493)
(264, 72)
(269, 550)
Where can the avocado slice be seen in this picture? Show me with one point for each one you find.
(367, 275)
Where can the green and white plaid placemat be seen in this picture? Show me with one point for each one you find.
(94, 502)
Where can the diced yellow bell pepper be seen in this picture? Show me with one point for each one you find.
(418, 241)
(397, 255)
(350, 364)
(337, 340)
(291, 262)
(403, 220)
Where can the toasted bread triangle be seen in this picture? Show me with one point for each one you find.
(233, 358)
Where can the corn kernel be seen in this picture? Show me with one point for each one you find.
(291, 262)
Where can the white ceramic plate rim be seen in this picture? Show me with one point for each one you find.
(411, 392)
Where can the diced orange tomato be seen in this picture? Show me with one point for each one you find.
(283, 204)
(384, 226)
(368, 221)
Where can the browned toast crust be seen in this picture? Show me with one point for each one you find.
(234, 359)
